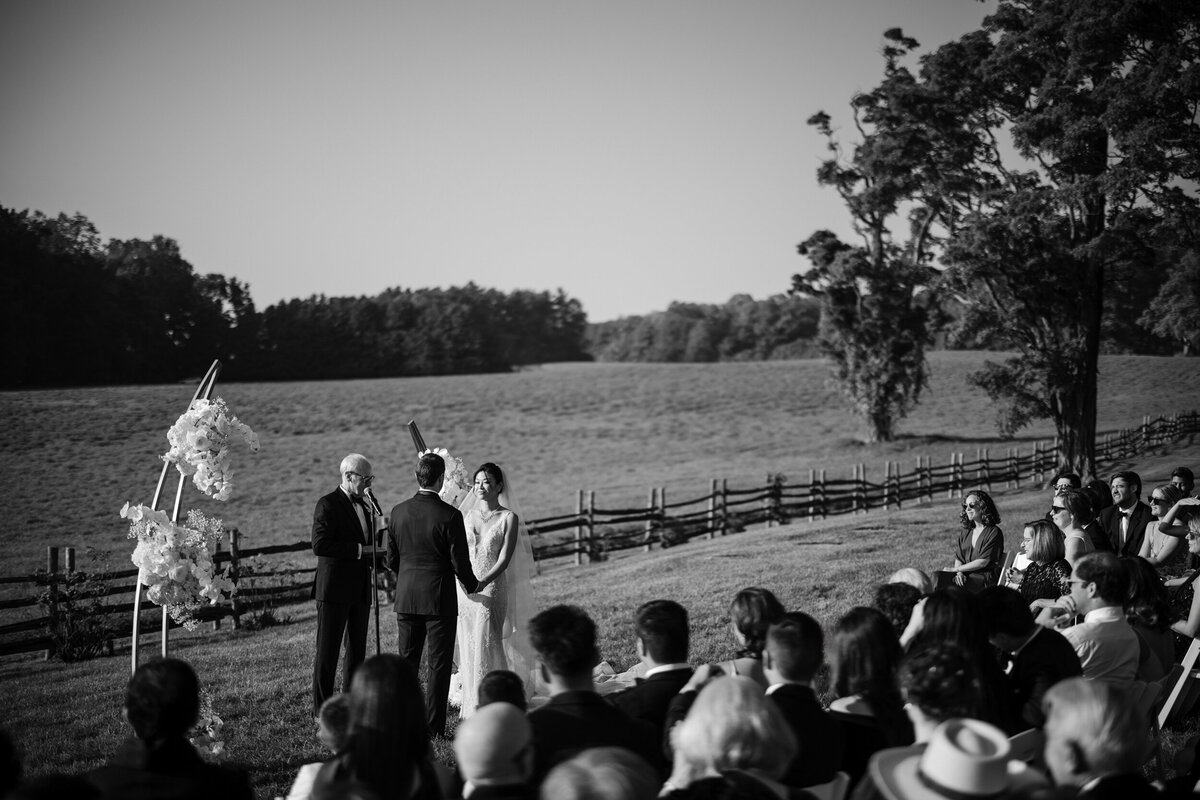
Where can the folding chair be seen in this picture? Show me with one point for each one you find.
(1182, 683)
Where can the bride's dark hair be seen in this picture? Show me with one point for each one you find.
(493, 472)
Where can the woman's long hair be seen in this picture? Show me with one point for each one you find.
(988, 514)
(388, 740)
(1147, 603)
(866, 654)
(753, 611)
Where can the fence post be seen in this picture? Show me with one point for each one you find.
(862, 486)
(724, 506)
(591, 522)
(216, 623)
(765, 502)
(662, 513)
(651, 505)
(579, 529)
(712, 509)
(235, 572)
(52, 593)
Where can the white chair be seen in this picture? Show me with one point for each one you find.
(834, 790)
(1182, 684)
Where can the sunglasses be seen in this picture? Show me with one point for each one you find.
(1055, 509)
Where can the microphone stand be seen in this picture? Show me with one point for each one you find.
(375, 511)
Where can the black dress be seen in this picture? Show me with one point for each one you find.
(1046, 581)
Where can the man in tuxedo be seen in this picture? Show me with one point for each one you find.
(576, 718)
(661, 628)
(1038, 657)
(341, 541)
(427, 549)
(1124, 522)
(793, 654)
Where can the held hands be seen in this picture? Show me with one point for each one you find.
(704, 675)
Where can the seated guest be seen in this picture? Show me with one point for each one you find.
(913, 577)
(602, 773)
(732, 744)
(795, 651)
(1100, 495)
(896, 601)
(502, 686)
(1107, 647)
(752, 611)
(1072, 512)
(162, 703)
(1064, 481)
(575, 718)
(387, 747)
(492, 747)
(1162, 545)
(661, 630)
(1038, 657)
(1148, 611)
(1185, 600)
(979, 551)
(939, 683)
(1093, 744)
(333, 723)
(1124, 522)
(865, 657)
(1048, 576)
(1184, 480)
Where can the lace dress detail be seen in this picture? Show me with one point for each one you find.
(482, 617)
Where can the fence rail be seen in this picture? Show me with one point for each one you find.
(592, 532)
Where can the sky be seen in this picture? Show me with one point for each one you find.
(630, 153)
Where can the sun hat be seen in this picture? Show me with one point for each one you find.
(964, 759)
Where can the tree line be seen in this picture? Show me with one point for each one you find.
(76, 311)
(743, 329)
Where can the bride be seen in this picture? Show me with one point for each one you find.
(492, 624)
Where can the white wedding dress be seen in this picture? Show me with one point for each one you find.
(493, 624)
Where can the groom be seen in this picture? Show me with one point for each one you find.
(426, 549)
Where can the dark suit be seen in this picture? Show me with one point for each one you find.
(577, 720)
(342, 589)
(1098, 537)
(1110, 523)
(173, 772)
(649, 699)
(1044, 661)
(820, 737)
(427, 549)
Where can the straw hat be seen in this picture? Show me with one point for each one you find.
(965, 758)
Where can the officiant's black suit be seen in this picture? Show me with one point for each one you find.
(427, 550)
(342, 589)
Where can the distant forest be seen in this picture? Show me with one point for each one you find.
(76, 312)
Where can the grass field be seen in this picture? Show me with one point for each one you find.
(614, 428)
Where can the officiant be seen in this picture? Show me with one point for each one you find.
(341, 541)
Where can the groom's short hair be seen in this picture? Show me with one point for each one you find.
(662, 625)
(430, 467)
(162, 700)
(565, 640)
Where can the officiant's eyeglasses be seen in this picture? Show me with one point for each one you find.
(366, 478)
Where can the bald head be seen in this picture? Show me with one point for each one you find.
(489, 745)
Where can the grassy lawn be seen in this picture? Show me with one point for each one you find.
(67, 716)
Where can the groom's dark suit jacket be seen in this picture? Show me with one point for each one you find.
(426, 549)
(342, 577)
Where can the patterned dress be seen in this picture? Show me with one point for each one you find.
(1048, 581)
(481, 617)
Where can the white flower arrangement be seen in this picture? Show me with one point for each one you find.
(455, 487)
(200, 446)
(175, 561)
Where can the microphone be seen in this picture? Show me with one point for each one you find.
(374, 503)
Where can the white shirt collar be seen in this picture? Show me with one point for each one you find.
(665, 668)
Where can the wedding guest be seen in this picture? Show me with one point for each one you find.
(576, 718)
(1107, 647)
(1183, 478)
(913, 576)
(979, 553)
(602, 773)
(1101, 496)
(502, 686)
(1125, 521)
(1064, 481)
(939, 683)
(333, 723)
(1038, 657)
(387, 747)
(752, 611)
(896, 601)
(1091, 740)
(494, 753)
(162, 703)
(1148, 611)
(1185, 600)
(1048, 576)
(1161, 545)
(732, 744)
(661, 641)
(868, 705)
(341, 536)
(794, 653)
(1071, 512)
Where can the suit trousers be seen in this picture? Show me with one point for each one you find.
(413, 630)
(337, 622)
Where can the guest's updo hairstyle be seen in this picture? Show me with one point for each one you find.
(1147, 602)
(943, 682)
(493, 472)
(1079, 505)
(988, 514)
(752, 612)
